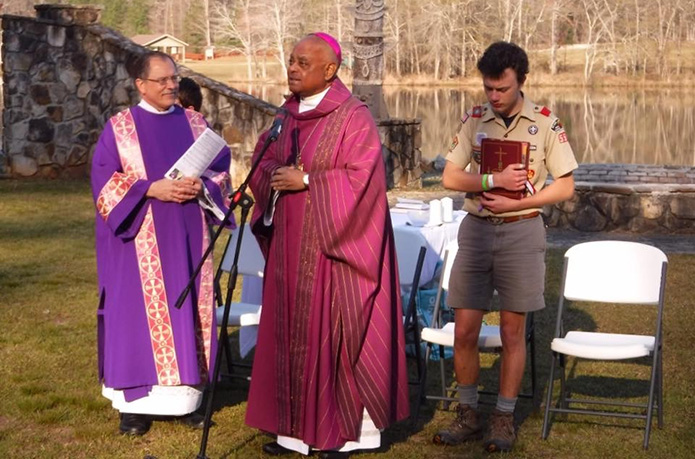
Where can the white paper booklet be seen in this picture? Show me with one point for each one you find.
(198, 157)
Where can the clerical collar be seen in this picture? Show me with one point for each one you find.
(311, 102)
(149, 108)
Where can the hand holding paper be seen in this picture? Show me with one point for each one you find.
(198, 157)
(182, 190)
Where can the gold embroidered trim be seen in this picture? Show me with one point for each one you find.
(149, 261)
(113, 192)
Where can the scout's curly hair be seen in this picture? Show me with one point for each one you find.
(503, 55)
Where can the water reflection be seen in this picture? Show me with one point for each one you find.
(604, 126)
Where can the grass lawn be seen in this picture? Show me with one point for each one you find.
(51, 405)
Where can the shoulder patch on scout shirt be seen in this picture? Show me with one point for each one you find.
(454, 143)
(545, 111)
(465, 118)
(557, 125)
(477, 111)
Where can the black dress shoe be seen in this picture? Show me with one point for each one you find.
(134, 424)
(193, 420)
(333, 454)
(274, 449)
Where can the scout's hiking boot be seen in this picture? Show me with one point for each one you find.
(500, 435)
(464, 428)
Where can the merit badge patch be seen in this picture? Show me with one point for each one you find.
(557, 126)
(476, 156)
(454, 143)
(562, 137)
(533, 129)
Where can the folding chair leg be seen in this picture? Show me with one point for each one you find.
(653, 384)
(423, 384)
(660, 392)
(418, 351)
(534, 393)
(442, 375)
(224, 341)
(562, 401)
(549, 399)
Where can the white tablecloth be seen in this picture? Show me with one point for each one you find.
(437, 238)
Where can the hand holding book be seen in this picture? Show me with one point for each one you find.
(508, 160)
(512, 178)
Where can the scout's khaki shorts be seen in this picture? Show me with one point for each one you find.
(507, 257)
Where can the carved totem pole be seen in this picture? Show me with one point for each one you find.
(368, 52)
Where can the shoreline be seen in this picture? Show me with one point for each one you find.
(537, 80)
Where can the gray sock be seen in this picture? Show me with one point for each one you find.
(504, 404)
(468, 395)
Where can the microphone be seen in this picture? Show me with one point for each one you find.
(276, 128)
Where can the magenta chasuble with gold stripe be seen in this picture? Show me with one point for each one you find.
(146, 252)
(330, 340)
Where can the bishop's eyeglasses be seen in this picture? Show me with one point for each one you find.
(164, 80)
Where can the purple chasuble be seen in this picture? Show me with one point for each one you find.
(146, 252)
(330, 340)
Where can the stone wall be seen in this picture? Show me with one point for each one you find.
(65, 75)
(635, 198)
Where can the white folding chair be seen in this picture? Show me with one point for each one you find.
(411, 248)
(610, 272)
(250, 264)
(489, 339)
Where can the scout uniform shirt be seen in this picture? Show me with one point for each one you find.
(548, 146)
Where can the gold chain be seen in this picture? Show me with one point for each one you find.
(298, 160)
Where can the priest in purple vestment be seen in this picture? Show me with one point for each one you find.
(151, 232)
(329, 369)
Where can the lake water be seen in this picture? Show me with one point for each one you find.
(604, 126)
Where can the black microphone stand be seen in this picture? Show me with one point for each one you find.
(242, 199)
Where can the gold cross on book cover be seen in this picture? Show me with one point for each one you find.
(496, 155)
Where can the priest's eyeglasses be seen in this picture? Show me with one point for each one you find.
(164, 80)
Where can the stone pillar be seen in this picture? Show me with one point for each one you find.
(368, 52)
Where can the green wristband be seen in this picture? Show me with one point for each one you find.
(485, 182)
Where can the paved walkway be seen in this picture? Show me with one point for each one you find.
(564, 238)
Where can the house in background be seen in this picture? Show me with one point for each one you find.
(164, 43)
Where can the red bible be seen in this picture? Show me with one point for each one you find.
(496, 155)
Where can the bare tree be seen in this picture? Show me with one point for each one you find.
(554, 17)
(236, 21)
(395, 24)
(281, 25)
(593, 9)
(666, 13)
(206, 25)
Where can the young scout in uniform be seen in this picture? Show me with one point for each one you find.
(502, 240)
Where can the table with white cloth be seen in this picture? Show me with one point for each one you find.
(436, 236)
